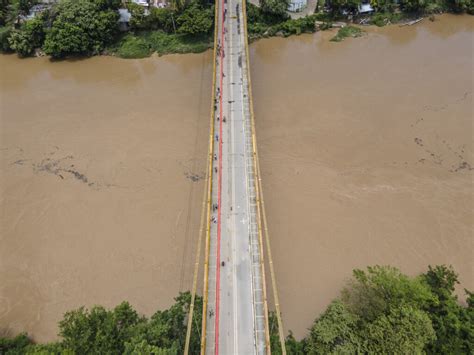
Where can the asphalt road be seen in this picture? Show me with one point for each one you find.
(235, 308)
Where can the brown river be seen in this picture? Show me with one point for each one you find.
(366, 149)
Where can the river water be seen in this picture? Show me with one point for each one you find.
(366, 152)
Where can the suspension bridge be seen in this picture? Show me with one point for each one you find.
(235, 310)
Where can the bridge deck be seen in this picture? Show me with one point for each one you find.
(235, 308)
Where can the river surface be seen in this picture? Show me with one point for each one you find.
(366, 149)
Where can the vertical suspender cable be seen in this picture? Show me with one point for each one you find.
(196, 264)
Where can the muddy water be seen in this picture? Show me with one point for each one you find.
(101, 161)
(367, 153)
(366, 150)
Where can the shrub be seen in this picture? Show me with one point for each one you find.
(347, 31)
(276, 8)
(134, 47)
(28, 37)
(14, 346)
(5, 33)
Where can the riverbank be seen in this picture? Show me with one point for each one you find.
(187, 29)
(142, 45)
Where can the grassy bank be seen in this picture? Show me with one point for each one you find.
(144, 44)
(348, 31)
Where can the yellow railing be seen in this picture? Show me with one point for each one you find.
(209, 188)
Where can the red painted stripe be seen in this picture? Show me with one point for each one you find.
(219, 190)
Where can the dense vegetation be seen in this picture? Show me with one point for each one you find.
(117, 331)
(90, 27)
(380, 311)
(268, 19)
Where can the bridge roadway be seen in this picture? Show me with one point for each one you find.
(236, 307)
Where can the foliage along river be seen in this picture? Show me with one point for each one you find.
(366, 149)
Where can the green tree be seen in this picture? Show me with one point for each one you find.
(118, 331)
(163, 19)
(459, 6)
(404, 330)
(79, 28)
(195, 20)
(413, 5)
(14, 346)
(138, 20)
(4, 4)
(5, 33)
(338, 6)
(335, 332)
(453, 323)
(275, 7)
(375, 291)
(28, 37)
(108, 4)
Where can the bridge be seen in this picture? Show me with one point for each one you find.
(235, 309)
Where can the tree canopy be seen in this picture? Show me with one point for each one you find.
(382, 311)
(80, 27)
(195, 20)
(118, 331)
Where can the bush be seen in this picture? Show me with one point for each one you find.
(14, 346)
(276, 8)
(347, 31)
(29, 37)
(5, 33)
(168, 43)
(381, 19)
(134, 47)
(459, 6)
(144, 43)
(413, 5)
